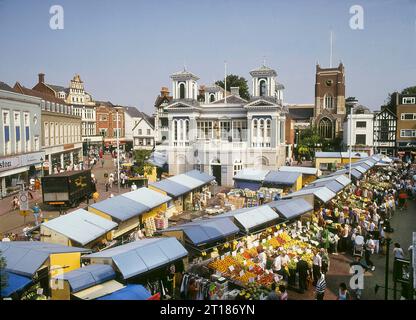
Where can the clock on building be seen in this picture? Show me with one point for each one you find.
(328, 82)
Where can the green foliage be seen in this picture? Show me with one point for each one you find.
(236, 81)
(310, 141)
(408, 90)
(141, 167)
(3, 274)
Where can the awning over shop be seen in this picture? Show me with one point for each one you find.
(88, 276)
(187, 181)
(14, 283)
(130, 292)
(359, 168)
(172, 188)
(206, 231)
(147, 197)
(322, 193)
(250, 218)
(141, 256)
(26, 257)
(332, 185)
(291, 208)
(99, 290)
(121, 209)
(281, 178)
(341, 178)
(80, 226)
(303, 170)
(356, 174)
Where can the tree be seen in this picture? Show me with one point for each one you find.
(408, 90)
(236, 81)
(141, 157)
(3, 274)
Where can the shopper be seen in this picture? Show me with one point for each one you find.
(303, 270)
(283, 292)
(398, 251)
(36, 213)
(15, 203)
(272, 294)
(343, 293)
(369, 250)
(316, 267)
(320, 288)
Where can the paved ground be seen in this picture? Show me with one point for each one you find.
(12, 221)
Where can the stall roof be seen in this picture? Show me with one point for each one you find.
(281, 177)
(303, 170)
(332, 185)
(327, 154)
(26, 257)
(202, 176)
(187, 181)
(205, 231)
(129, 292)
(149, 198)
(120, 208)
(88, 276)
(81, 226)
(251, 174)
(15, 282)
(341, 178)
(359, 168)
(354, 155)
(99, 290)
(250, 218)
(291, 208)
(356, 174)
(172, 188)
(322, 193)
(140, 256)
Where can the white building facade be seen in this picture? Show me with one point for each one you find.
(360, 131)
(223, 135)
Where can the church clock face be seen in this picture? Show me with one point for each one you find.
(328, 82)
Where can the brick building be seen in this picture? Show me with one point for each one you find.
(106, 114)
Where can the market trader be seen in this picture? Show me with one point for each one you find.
(303, 270)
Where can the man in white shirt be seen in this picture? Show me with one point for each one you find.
(316, 267)
(369, 250)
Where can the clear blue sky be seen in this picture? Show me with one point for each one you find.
(126, 50)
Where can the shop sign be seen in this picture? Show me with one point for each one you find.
(21, 161)
(10, 163)
(69, 146)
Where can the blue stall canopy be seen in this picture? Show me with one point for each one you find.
(130, 292)
(158, 159)
(15, 283)
(205, 231)
(359, 168)
(251, 174)
(340, 177)
(332, 185)
(172, 188)
(88, 276)
(281, 178)
(322, 193)
(26, 257)
(121, 209)
(291, 208)
(250, 218)
(320, 154)
(147, 197)
(202, 176)
(356, 174)
(80, 226)
(303, 170)
(187, 181)
(140, 256)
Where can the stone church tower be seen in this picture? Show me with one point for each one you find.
(329, 111)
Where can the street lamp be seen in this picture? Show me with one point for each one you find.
(41, 167)
(388, 233)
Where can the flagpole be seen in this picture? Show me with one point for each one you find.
(225, 81)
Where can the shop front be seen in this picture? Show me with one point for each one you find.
(15, 170)
(406, 150)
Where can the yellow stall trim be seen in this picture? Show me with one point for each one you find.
(64, 262)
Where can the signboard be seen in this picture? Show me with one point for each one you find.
(21, 161)
(402, 271)
(24, 200)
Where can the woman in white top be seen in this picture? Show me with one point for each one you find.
(398, 251)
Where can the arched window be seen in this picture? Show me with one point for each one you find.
(255, 127)
(175, 130)
(329, 101)
(268, 128)
(186, 130)
(261, 127)
(212, 97)
(182, 91)
(326, 128)
(263, 88)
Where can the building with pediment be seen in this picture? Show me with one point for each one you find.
(222, 133)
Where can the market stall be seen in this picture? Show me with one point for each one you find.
(308, 174)
(250, 178)
(291, 209)
(145, 262)
(315, 195)
(288, 181)
(78, 228)
(335, 183)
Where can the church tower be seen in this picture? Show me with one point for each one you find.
(329, 111)
(184, 85)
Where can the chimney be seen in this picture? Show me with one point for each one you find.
(235, 91)
(164, 92)
(41, 77)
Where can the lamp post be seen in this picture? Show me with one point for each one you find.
(41, 167)
(388, 233)
(350, 138)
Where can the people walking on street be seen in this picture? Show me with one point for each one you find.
(320, 288)
(15, 203)
(133, 187)
(398, 251)
(102, 162)
(36, 213)
(369, 250)
(303, 270)
(343, 293)
(316, 267)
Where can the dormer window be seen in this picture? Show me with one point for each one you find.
(212, 97)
